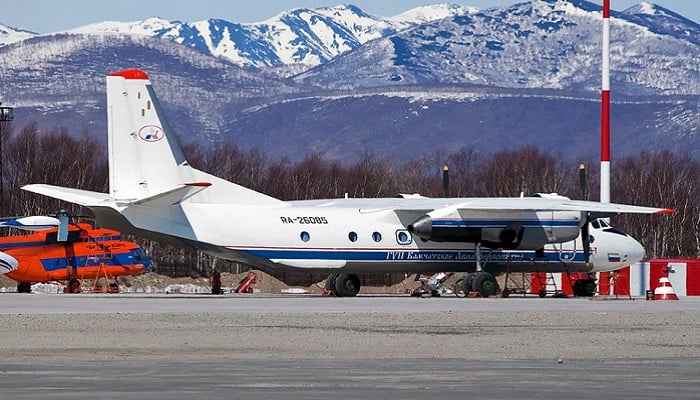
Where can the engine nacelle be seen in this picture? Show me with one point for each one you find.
(524, 230)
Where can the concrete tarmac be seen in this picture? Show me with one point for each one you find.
(370, 347)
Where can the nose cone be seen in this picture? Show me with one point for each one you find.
(635, 251)
(7, 263)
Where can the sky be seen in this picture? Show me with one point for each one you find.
(45, 16)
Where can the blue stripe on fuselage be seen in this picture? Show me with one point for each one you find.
(403, 255)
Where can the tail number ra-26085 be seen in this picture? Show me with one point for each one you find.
(304, 220)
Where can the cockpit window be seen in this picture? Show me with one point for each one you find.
(612, 229)
(606, 227)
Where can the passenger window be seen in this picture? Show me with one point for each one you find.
(377, 237)
(305, 236)
(403, 237)
(352, 236)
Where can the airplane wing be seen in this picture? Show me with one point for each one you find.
(514, 204)
(516, 222)
(600, 210)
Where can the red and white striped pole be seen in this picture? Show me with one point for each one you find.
(605, 111)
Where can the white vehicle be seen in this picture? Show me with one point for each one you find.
(155, 193)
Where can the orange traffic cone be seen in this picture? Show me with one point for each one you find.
(665, 290)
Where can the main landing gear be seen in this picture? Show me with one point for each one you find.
(24, 287)
(343, 285)
(482, 283)
(73, 286)
(584, 287)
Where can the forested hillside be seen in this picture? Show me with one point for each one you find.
(659, 178)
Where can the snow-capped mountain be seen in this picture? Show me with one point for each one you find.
(539, 44)
(9, 34)
(299, 36)
(663, 21)
(509, 76)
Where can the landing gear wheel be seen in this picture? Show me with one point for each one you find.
(73, 286)
(24, 287)
(330, 284)
(347, 285)
(467, 283)
(485, 284)
(584, 287)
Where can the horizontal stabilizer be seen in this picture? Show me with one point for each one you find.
(77, 196)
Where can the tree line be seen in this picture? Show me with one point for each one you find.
(653, 178)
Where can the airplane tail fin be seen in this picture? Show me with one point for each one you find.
(145, 159)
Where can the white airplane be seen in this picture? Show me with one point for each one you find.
(155, 193)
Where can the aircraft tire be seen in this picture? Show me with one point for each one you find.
(24, 287)
(330, 283)
(485, 284)
(467, 283)
(347, 285)
(588, 288)
(73, 286)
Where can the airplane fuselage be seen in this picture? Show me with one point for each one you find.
(345, 235)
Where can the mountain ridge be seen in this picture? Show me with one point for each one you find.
(521, 74)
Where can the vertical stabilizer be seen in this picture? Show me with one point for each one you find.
(146, 164)
(144, 157)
